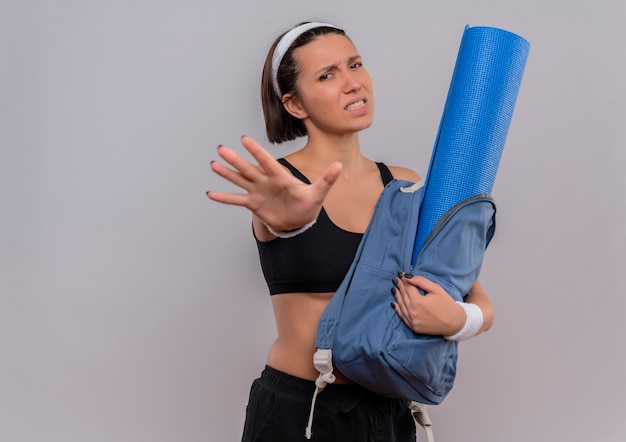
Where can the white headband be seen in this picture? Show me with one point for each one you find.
(285, 43)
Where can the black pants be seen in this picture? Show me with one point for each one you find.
(279, 406)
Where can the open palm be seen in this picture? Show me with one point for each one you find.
(271, 192)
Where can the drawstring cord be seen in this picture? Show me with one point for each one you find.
(323, 361)
(420, 414)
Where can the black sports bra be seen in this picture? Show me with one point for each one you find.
(315, 260)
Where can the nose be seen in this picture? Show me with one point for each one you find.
(352, 82)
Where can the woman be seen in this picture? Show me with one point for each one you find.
(309, 211)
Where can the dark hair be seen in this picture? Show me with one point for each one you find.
(280, 125)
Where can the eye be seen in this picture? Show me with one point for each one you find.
(356, 65)
(325, 76)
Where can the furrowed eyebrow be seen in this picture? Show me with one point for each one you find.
(325, 69)
(351, 60)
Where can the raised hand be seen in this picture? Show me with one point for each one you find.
(271, 192)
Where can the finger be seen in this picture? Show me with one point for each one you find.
(403, 299)
(234, 199)
(267, 162)
(400, 313)
(404, 292)
(248, 170)
(399, 308)
(403, 313)
(421, 282)
(234, 177)
(328, 178)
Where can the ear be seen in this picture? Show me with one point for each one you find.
(293, 106)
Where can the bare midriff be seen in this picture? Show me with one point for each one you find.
(297, 315)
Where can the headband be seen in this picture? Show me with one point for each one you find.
(285, 43)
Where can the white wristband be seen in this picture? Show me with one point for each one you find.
(290, 233)
(473, 322)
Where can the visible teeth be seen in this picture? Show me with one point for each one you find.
(356, 105)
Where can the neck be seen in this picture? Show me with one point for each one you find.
(320, 151)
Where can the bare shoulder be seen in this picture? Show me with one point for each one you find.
(403, 173)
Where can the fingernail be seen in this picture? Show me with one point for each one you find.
(211, 162)
(395, 280)
(393, 305)
(243, 136)
(393, 291)
(219, 145)
(207, 192)
(400, 274)
(408, 275)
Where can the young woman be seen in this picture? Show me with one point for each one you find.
(309, 211)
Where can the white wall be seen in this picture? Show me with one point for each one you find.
(133, 309)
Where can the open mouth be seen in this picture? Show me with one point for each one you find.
(356, 105)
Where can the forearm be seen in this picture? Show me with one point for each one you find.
(478, 297)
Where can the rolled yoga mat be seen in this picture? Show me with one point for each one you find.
(475, 122)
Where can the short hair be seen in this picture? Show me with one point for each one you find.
(280, 125)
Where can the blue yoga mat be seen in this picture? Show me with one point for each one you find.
(475, 122)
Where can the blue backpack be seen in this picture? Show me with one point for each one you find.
(366, 339)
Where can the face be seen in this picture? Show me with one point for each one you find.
(335, 92)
